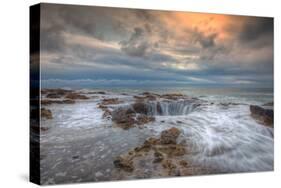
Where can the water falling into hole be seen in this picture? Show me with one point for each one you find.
(170, 108)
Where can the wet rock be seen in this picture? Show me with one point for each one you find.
(263, 115)
(149, 93)
(170, 136)
(55, 93)
(107, 114)
(102, 107)
(44, 128)
(147, 145)
(123, 117)
(46, 113)
(140, 107)
(110, 101)
(168, 164)
(49, 102)
(97, 92)
(171, 149)
(158, 157)
(156, 153)
(75, 157)
(146, 96)
(127, 118)
(124, 163)
(75, 96)
(231, 104)
(183, 163)
(174, 96)
(144, 119)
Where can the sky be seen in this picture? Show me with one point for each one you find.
(97, 46)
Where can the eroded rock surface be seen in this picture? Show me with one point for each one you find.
(129, 117)
(170, 136)
(161, 151)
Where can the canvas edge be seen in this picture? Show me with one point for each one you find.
(34, 89)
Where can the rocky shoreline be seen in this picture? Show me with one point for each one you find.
(164, 153)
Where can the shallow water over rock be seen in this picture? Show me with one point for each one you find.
(80, 145)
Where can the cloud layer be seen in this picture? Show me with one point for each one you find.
(117, 46)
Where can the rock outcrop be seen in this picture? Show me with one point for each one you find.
(163, 150)
(170, 136)
(125, 163)
(263, 115)
(129, 117)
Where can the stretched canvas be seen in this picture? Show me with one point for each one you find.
(122, 94)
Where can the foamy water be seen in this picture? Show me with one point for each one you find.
(80, 145)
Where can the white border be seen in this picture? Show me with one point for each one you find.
(14, 121)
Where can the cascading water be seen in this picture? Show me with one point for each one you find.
(170, 108)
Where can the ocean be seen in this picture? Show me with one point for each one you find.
(220, 134)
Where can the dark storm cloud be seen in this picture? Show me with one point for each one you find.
(254, 28)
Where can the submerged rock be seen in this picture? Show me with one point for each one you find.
(46, 113)
(55, 93)
(140, 107)
(146, 96)
(110, 101)
(76, 96)
(49, 102)
(97, 92)
(174, 96)
(107, 114)
(263, 115)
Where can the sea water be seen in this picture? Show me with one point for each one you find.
(81, 146)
